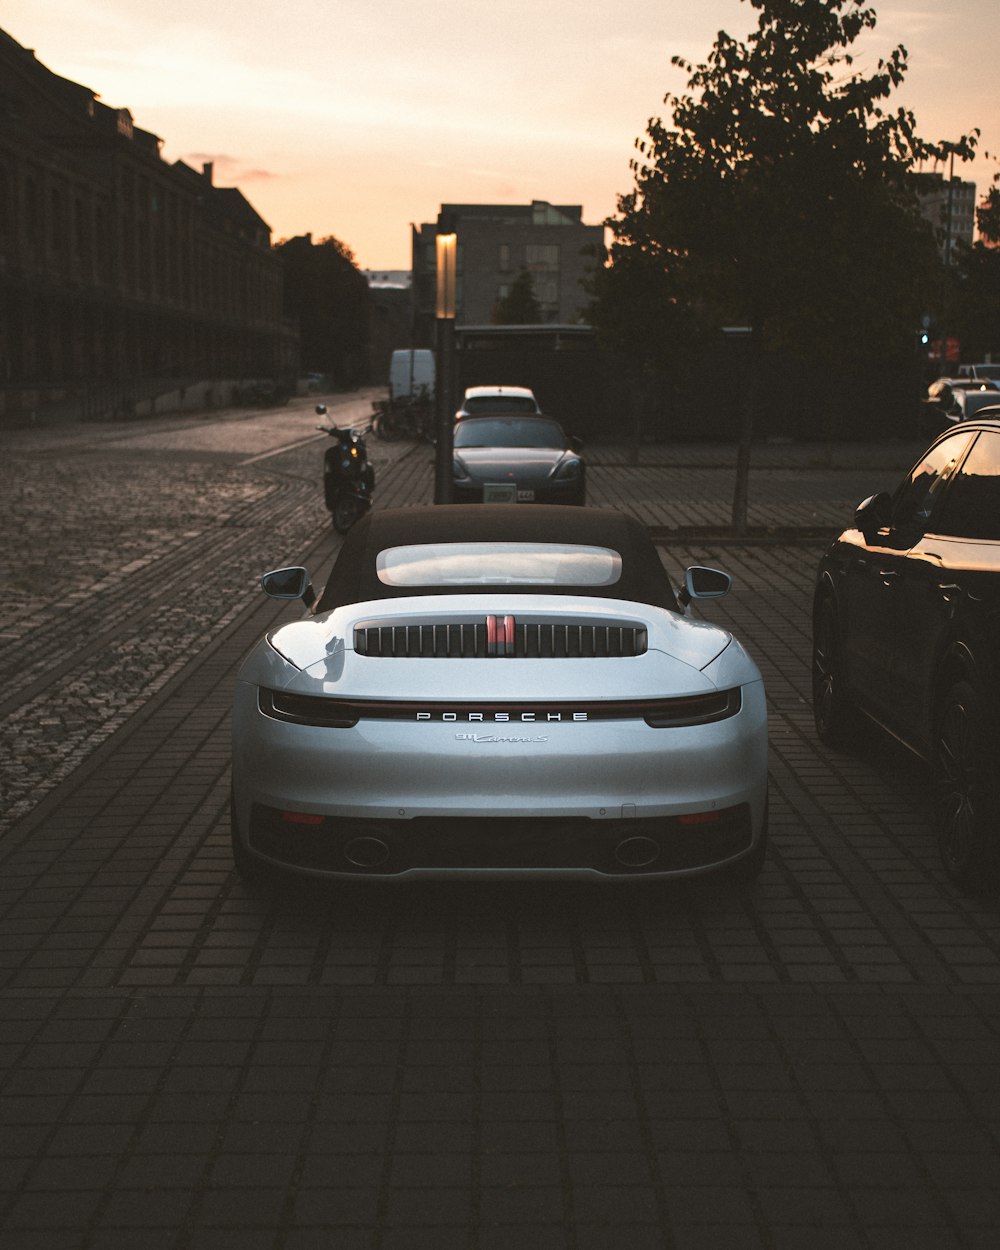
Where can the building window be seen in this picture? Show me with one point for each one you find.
(5, 208)
(503, 259)
(542, 257)
(82, 220)
(57, 222)
(32, 213)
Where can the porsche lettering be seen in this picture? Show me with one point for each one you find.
(502, 717)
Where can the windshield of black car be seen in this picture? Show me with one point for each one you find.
(500, 403)
(508, 432)
(499, 564)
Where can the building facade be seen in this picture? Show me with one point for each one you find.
(949, 204)
(496, 243)
(121, 275)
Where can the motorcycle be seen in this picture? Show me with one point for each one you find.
(348, 478)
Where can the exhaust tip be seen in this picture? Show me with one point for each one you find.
(637, 852)
(366, 852)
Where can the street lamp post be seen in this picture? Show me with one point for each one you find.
(447, 248)
(948, 228)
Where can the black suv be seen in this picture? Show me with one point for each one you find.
(906, 629)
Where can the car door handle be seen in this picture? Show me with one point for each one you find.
(888, 576)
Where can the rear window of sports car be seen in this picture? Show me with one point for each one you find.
(498, 564)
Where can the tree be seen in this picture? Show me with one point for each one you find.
(974, 315)
(780, 198)
(326, 293)
(519, 307)
(988, 215)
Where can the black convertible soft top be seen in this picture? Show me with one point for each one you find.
(354, 578)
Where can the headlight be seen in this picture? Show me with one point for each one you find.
(459, 471)
(569, 469)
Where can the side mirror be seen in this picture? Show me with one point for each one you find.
(704, 583)
(291, 583)
(321, 410)
(873, 514)
(576, 443)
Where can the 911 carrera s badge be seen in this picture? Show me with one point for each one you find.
(498, 738)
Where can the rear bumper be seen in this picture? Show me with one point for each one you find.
(499, 846)
(552, 800)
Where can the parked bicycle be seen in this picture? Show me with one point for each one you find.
(410, 419)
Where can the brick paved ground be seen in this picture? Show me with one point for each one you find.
(188, 1063)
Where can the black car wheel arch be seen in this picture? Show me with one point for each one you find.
(967, 790)
(834, 713)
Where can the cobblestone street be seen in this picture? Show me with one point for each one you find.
(189, 1063)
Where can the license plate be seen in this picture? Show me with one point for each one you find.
(525, 496)
(500, 492)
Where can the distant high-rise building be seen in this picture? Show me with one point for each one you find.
(949, 204)
(496, 242)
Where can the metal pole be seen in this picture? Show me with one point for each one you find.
(943, 329)
(444, 331)
(447, 247)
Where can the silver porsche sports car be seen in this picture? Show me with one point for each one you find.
(483, 690)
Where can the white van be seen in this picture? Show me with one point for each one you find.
(411, 374)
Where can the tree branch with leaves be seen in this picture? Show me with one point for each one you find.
(779, 196)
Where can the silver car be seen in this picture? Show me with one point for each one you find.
(486, 690)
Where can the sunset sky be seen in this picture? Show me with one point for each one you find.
(357, 117)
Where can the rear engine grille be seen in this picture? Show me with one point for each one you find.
(550, 640)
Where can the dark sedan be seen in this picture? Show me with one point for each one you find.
(906, 629)
(950, 400)
(514, 459)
